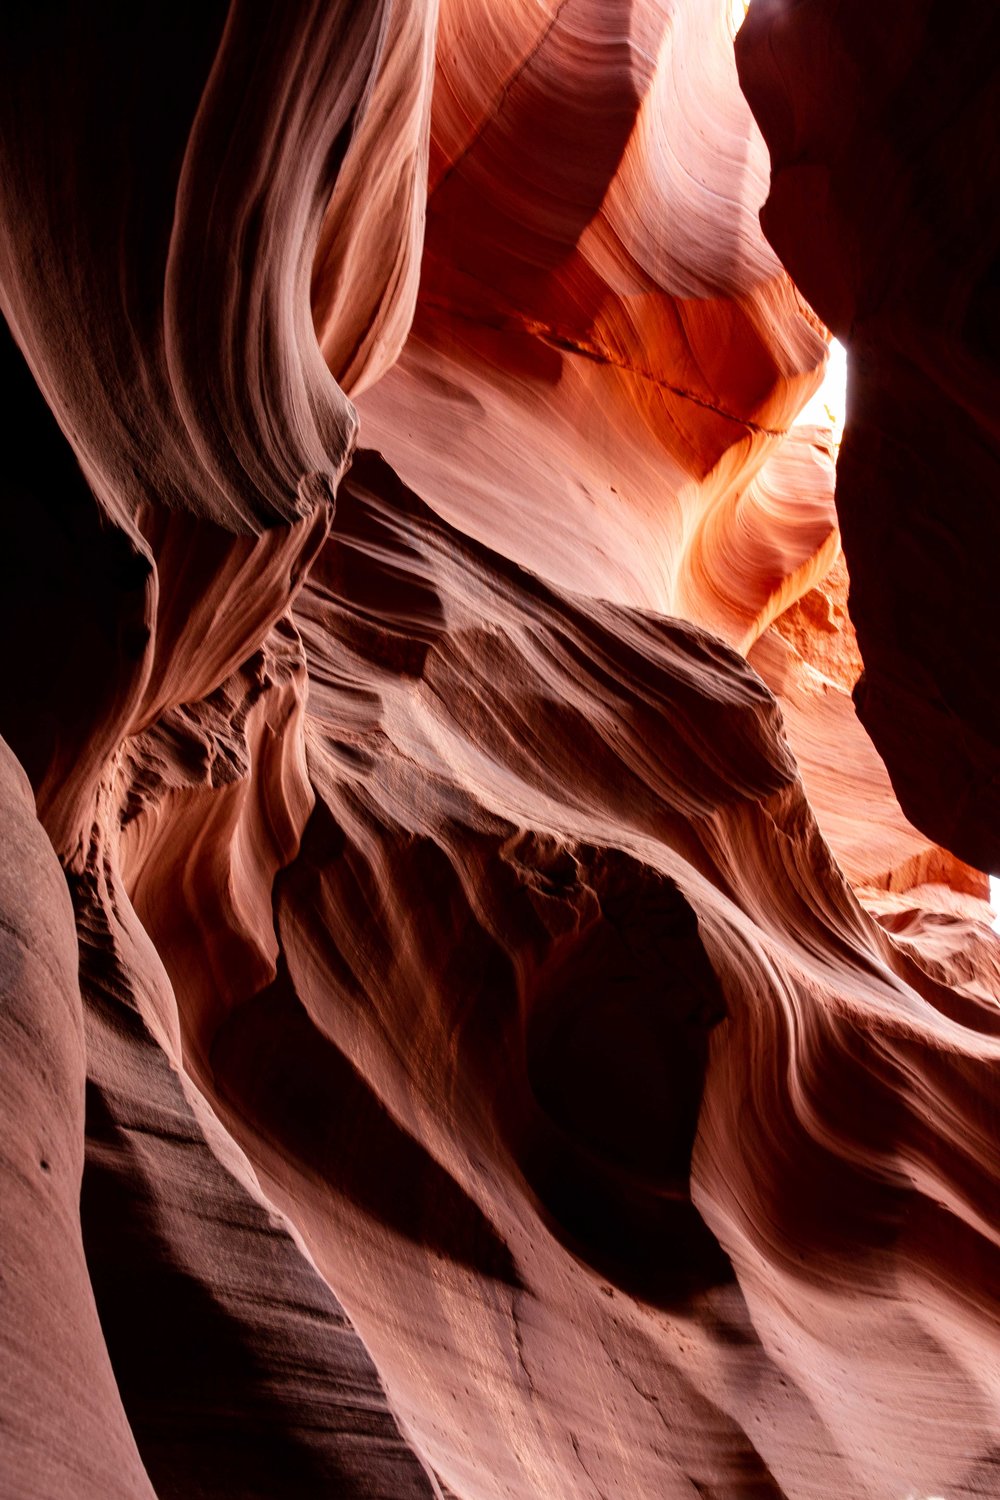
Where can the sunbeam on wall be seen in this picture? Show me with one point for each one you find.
(828, 406)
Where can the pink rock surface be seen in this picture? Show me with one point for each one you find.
(64, 1430)
(504, 1039)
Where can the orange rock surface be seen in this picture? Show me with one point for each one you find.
(502, 1038)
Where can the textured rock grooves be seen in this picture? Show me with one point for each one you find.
(502, 1039)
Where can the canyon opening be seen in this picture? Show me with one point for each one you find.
(500, 751)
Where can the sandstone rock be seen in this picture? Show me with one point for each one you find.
(879, 122)
(506, 1039)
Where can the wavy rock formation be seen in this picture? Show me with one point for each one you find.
(502, 1036)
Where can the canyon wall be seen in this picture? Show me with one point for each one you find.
(481, 1018)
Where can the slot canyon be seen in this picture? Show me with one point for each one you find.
(500, 993)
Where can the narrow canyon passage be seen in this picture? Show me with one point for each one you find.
(500, 751)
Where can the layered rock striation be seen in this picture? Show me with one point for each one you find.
(477, 1021)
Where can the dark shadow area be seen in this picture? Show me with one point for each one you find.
(617, 1051)
(72, 591)
(303, 1096)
